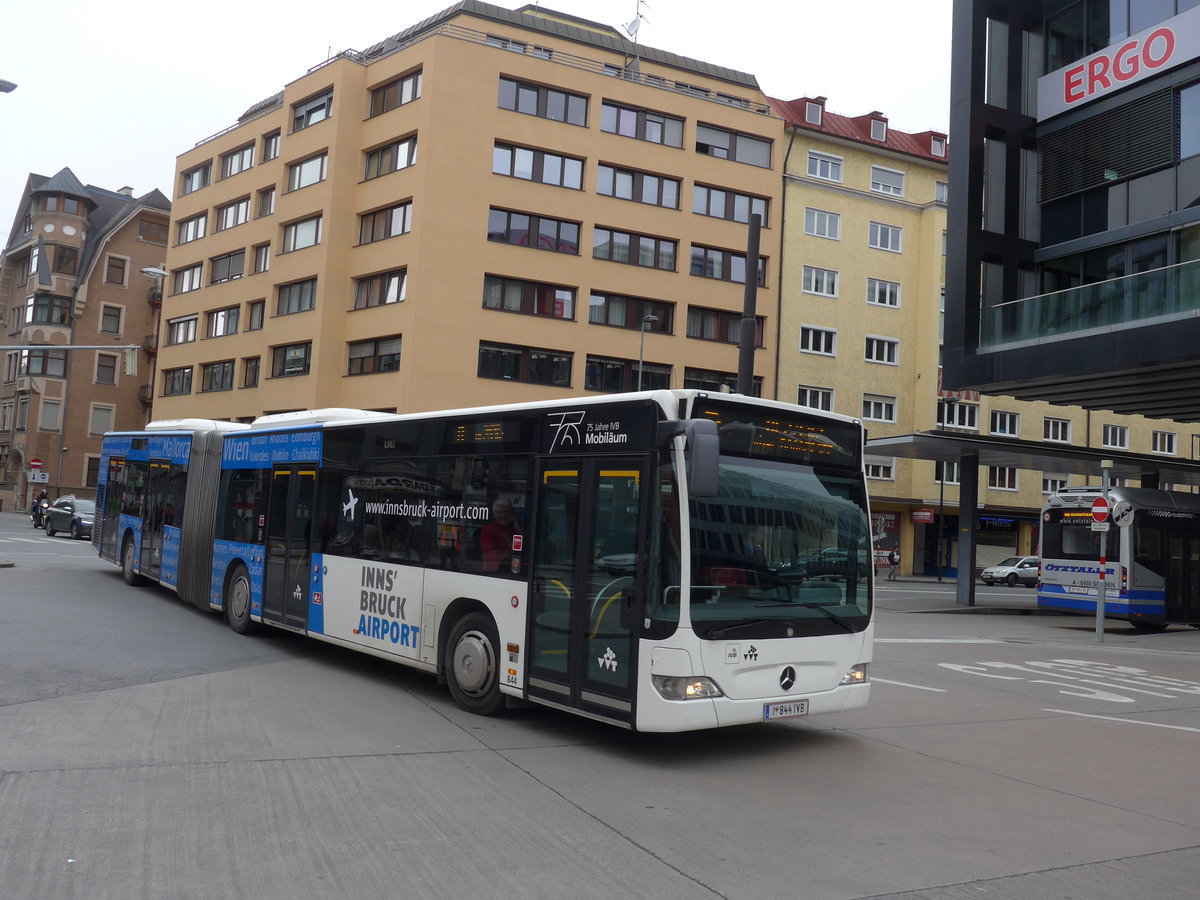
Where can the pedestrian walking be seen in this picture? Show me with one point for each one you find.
(894, 559)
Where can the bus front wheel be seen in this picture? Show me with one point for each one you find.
(129, 563)
(237, 602)
(473, 669)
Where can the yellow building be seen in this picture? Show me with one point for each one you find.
(861, 328)
(491, 206)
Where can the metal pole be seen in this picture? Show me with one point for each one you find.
(1102, 592)
(646, 320)
(939, 551)
(748, 338)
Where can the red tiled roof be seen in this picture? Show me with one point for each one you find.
(858, 129)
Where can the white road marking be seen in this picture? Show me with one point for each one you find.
(936, 641)
(918, 687)
(1068, 712)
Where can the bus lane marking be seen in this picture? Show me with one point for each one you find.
(918, 687)
(1073, 677)
(1068, 712)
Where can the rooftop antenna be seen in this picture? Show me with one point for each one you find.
(633, 67)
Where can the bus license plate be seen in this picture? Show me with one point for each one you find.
(785, 710)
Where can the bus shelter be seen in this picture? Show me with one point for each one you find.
(971, 451)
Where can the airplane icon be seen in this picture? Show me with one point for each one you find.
(348, 507)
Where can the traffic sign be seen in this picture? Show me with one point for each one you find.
(35, 463)
(1122, 513)
(1100, 509)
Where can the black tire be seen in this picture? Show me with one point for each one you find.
(75, 535)
(238, 595)
(1011, 580)
(1149, 627)
(50, 529)
(132, 578)
(473, 665)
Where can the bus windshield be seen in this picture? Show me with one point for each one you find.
(783, 550)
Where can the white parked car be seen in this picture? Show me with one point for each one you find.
(1012, 571)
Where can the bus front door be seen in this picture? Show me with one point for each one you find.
(585, 577)
(287, 578)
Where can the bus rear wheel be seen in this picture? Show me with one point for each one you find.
(1148, 627)
(129, 563)
(237, 602)
(473, 669)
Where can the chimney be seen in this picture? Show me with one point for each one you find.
(126, 191)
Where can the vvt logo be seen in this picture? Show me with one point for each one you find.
(751, 654)
(608, 660)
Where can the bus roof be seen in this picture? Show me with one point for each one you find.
(195, 425)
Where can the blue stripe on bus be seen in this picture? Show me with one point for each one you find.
(1088, 604)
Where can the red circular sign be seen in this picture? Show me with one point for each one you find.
(35, 463)
(1100, 509)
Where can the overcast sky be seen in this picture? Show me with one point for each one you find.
(117, 90)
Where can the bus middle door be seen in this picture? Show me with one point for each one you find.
(287, 579)
(585, 577)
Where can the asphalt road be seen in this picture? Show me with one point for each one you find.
(149, 752)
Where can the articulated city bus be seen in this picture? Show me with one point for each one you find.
(1152, 560)
(642, 559)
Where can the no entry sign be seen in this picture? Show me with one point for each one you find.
(1100, 509)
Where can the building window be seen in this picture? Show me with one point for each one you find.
(537, 165)
(820, 281)
(878, 130)
(262, 258)
(228, 267)
(887, 181)
(825, 166)
(300, 296)
(642, 187)
(724, 265)
(101, 419)
(192, 229)
(885, 237)
(177, 381)
(385, 223)
(541, 101)
(305, 233)
(1052, 484)
(266, 202)
(528, 297)
(1058, 430)
(312, 111)
(719, 325)
(1008, 423)
(1002, 478)
(309, 171)
(881, 470)
(238, 161)
(189, 279)
(1163, 442)
(631, 312)
(711, 380)
(820, 223)
(233, 214)
(879, 408)
(380, 290)
(250, 368)
(217, 376)
(525, 364)
(181, 330)
(195, 178)
(953, 414)
(110, 319)
(734, 145)
(106, 368)
(404, 89)
(617, 375)
(391, 157)
(222, 322)
(818, 340)
(114, 270)
(946, 472)
(941, 192)
(45, 309)
(291, 359)
(51, 417)
(65, 260)
(882, 350)
(367, 357)
(937, 146)
(883, 293)
(270, 146)
(639, 249)
(37, 361)
(153, 232)
(725, 204)
(630, 121)
(255, 312)
(814, 397)
(540, 232)
(1116, 437)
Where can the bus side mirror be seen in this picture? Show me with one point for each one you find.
(704, 451)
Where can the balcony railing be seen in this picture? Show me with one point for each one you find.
(1104, 306)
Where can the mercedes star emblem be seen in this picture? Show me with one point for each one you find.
(787, 678)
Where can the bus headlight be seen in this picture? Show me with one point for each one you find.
(856, 675)
(675, 687)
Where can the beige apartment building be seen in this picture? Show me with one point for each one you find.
(71, 288)
(491, 206)
(861, 329)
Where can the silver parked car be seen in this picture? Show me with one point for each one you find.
(1012, 571)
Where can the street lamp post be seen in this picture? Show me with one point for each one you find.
(646, 320)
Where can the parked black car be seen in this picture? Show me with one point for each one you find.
(72, 515)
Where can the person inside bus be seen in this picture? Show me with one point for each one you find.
(399, 548)
(496, 537)
(372, 543)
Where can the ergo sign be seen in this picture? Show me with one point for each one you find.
(1119, 65)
